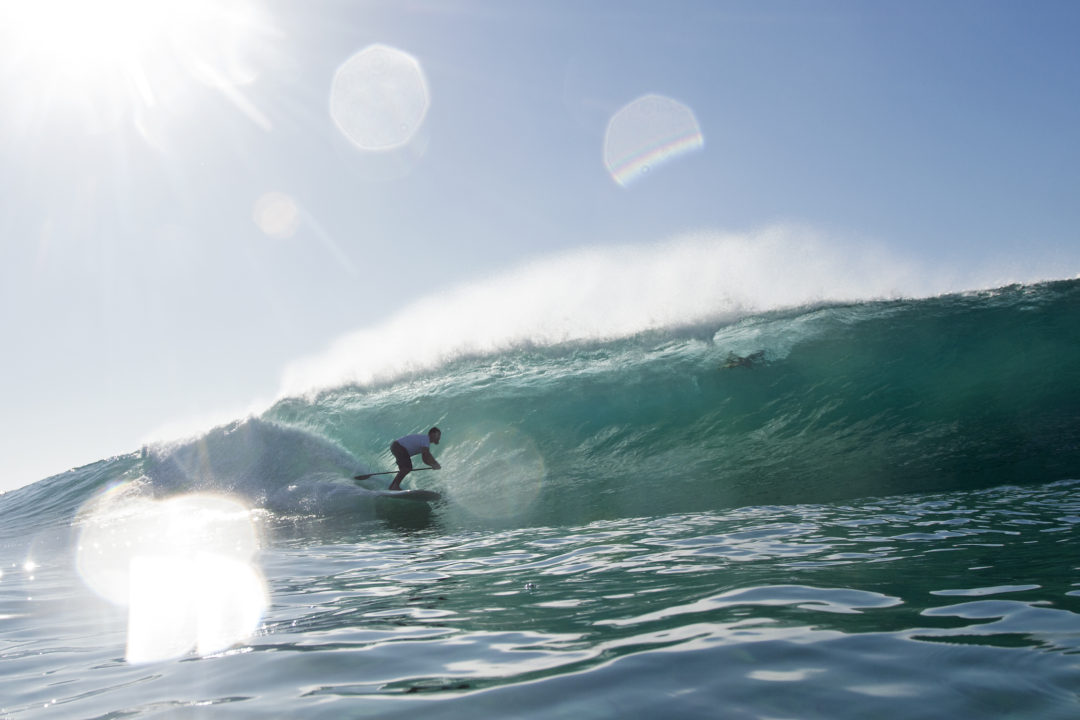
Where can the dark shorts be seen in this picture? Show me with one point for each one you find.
(404, 462)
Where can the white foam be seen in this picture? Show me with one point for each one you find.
(611, 292)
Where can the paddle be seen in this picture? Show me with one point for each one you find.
(388, 472)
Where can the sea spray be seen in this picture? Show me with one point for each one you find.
(615, 292)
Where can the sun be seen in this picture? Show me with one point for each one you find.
(86, 38)
(123, 53)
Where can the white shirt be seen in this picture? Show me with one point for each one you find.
(415, 444)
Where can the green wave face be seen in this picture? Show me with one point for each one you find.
(817, 405)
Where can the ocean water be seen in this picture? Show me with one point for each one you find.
(867, 510)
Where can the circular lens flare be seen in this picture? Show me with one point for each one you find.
(648, 132)
(379, 98)
(502, 474)
(277, 215)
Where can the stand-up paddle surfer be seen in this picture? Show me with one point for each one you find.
(405, 447)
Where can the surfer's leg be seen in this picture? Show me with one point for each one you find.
(396, 484)
(404, 463)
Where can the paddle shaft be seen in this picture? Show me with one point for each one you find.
(388, 472)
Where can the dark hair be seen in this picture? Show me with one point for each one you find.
(434, 430)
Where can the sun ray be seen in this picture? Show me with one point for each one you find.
(112, 58)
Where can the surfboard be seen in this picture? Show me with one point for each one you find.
(421, 495)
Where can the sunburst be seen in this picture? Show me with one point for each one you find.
(111, 58)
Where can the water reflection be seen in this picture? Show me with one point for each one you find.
(183, 567)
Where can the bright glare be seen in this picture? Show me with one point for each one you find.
(207, 601)
(81, 36)
(124, 52)
(183, 567)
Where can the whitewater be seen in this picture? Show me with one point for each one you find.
(735, 477)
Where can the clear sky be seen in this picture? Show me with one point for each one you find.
(194, 195)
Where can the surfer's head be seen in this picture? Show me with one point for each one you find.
(434, 434)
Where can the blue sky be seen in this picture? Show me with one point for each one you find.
(140, 293)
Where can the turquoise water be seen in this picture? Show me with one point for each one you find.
(876, 516)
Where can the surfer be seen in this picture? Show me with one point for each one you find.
(405, 447)
(750, 361)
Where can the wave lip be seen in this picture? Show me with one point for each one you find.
(607, 293)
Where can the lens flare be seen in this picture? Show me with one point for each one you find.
(97, 63)
(183, 567)
(277, 215)
(648, 132)
(505, 472)
(379, 98)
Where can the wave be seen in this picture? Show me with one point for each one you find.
(838, 401)
(612, 292)
(819, 403)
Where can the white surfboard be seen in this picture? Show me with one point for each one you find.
(421, 495)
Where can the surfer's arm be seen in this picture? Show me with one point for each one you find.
(429, 458)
